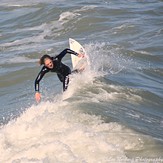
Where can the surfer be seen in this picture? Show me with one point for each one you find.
(54, 64)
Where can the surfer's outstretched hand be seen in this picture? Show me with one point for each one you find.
(37, 96)
(81, 55)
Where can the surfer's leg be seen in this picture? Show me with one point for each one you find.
(65, 83)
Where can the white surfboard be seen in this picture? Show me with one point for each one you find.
(78, 63)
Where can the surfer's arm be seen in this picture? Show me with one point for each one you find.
(74, 53)
(39, 77)
(37, 81)
(64, 52)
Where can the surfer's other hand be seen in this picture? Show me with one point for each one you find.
(81, 55)
(37, 96)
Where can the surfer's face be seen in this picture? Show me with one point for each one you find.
(48, 63)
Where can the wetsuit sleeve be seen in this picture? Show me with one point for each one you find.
(64, 52)
(43, 71)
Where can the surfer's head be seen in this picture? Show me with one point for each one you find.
(47, 61)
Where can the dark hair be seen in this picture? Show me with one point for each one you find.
(42, 59)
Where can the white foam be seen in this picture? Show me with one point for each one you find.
(122, 27)
(32, 43)
(20, 59)
(55, 131)
(41, 27)
(33, 39)
(67, 16)
(86, 8)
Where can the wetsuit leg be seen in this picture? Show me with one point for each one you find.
(64, 80)
(64, 77)
(65, 83)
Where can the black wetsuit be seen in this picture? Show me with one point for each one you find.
(61, 69)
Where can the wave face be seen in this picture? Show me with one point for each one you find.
(110, 113)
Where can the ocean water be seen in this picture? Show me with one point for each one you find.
(111, 113)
